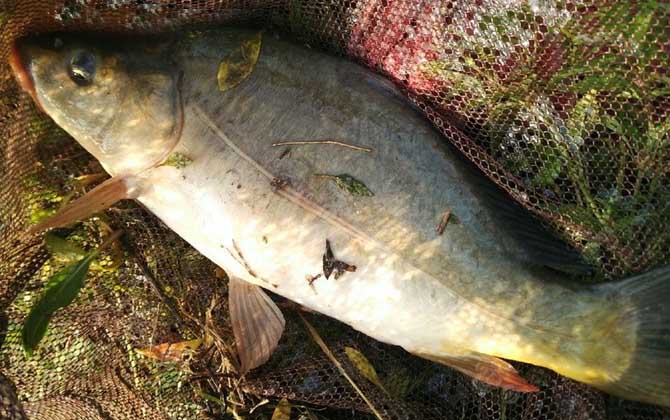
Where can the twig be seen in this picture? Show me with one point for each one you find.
(206, 376)
(146, 271)
(260, 404)
(317, 338)
(110, 239)
(443, 222)
(335, 142)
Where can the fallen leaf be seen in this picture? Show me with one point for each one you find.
(319, 341)
(349, 184)
(177, 160)
(61, 289)
(364, 366)
(171, 352)
(61, 249)
(239, 64)
(282, 411)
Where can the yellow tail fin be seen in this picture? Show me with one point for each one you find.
(646, 316)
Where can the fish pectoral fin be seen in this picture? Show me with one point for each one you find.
(488, 369)
(98, 199)
(257, 323)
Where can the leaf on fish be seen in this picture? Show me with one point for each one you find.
(171, 352)
(60, 291)
(282, 411)
(364, 366)
(239, 64)
(349, 184)
(177, 160)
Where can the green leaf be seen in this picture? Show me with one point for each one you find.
(63, 250)
(350, 184)
(239, 64)
(364, 366)
(60, 291)
(177, 160)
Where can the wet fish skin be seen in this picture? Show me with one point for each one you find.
(459, 298)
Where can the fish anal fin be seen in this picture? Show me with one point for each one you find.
(488, 369)
(98, 199)
(257, 323)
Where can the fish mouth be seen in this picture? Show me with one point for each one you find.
(22, 75)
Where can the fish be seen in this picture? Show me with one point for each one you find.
(307, 175)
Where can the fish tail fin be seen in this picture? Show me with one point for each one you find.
(645, 316)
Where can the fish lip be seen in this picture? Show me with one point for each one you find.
(22, 75)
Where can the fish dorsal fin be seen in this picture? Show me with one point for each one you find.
(541, 246)
(257, 323)
(98, 199)
(488, 369)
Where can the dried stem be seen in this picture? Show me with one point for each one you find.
(146, 271)
(110, 239)
(317, 338)
(335, 142)
(443, 222)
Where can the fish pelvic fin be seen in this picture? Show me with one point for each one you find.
(488, 369)
(98, 199)
(257, 323)
(645, 316)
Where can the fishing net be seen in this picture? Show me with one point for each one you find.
(564, 104)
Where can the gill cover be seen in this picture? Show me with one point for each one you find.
(120, 101)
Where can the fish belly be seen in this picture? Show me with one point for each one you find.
(229, 210)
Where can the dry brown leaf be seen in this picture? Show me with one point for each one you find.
(171, 352)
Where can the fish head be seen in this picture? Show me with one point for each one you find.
(119, 99)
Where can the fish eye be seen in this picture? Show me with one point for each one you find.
(82, 68)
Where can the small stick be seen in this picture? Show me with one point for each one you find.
(317, 338)
(110, 239)
(335, 142)
(443, 222)
(146, 271)
(312, 279)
